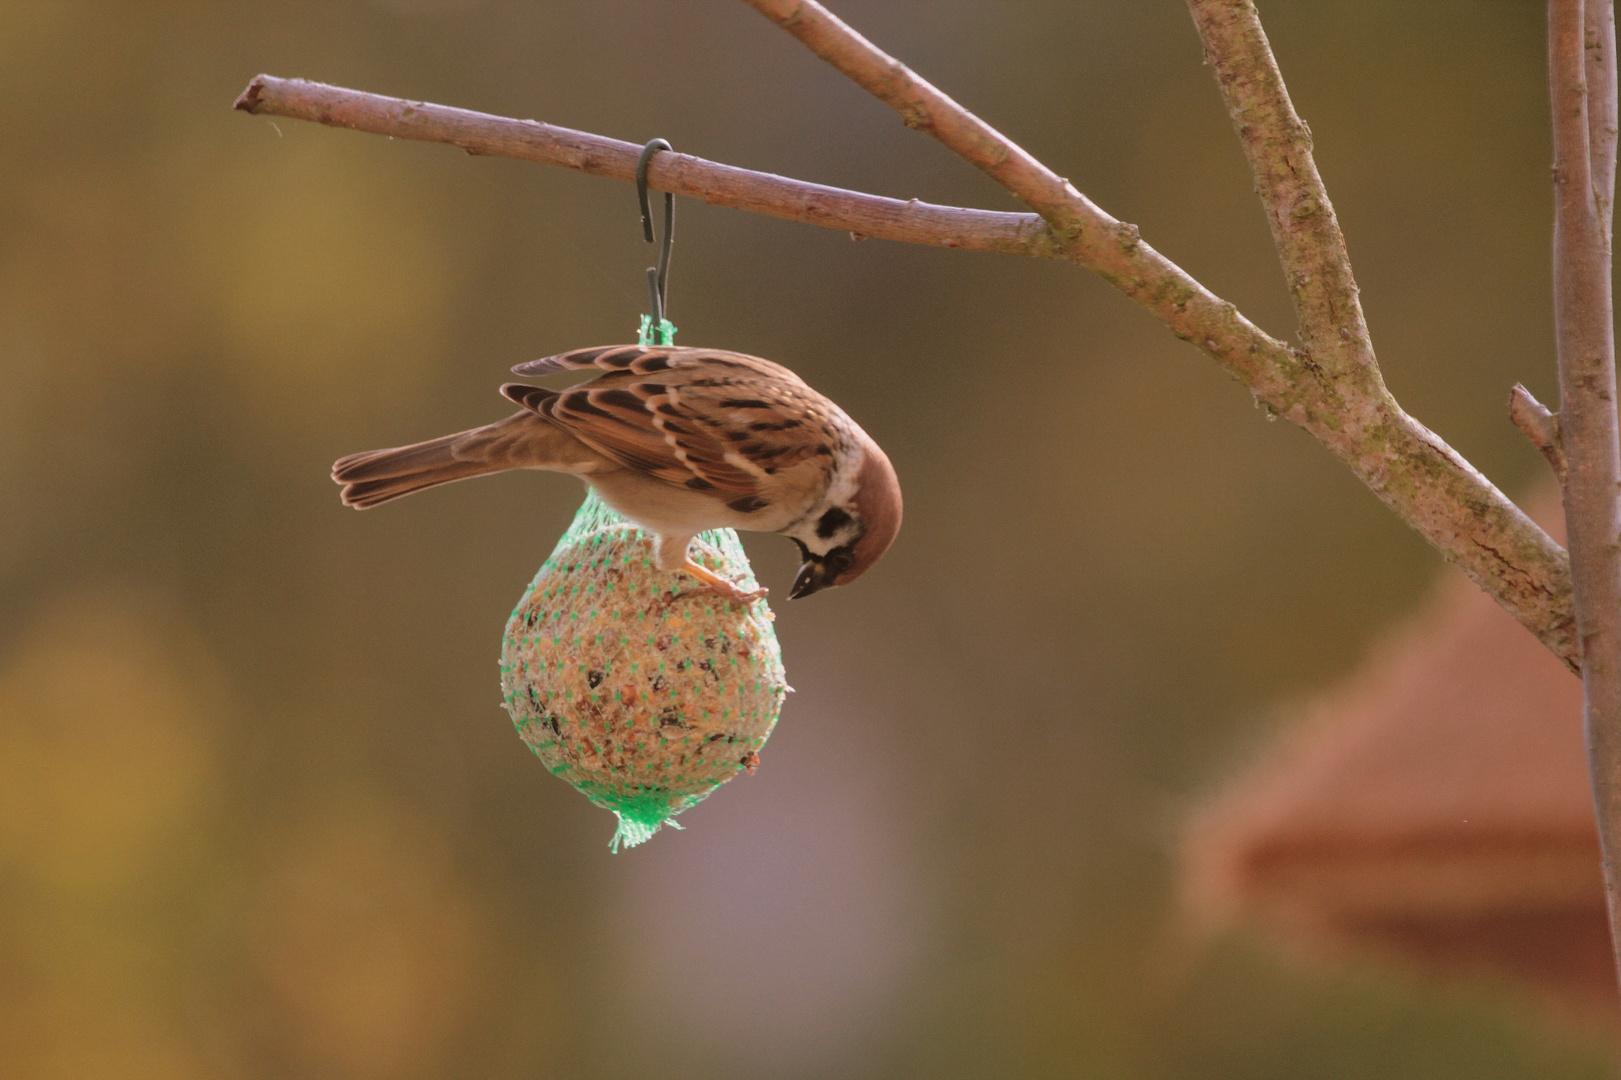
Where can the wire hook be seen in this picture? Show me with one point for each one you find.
(658, 279)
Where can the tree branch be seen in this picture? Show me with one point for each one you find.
(1333, 388)
(1540, 426)
(926, 108)
(909, 221)
(1409, 467)
(1304, 228)
(1584, 187)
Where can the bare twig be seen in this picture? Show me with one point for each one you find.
(926, 108)
(909, 221)
(1304, 228)
(1409, 467)
(1584, 186)
(1540, 426)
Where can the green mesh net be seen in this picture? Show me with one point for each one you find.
(643, 694)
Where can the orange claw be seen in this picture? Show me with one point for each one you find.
(715, 585)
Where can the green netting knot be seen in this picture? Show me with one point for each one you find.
(665, 334)
(639, 819)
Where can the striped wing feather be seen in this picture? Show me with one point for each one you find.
(704, 419)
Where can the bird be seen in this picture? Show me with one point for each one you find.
(678, 440)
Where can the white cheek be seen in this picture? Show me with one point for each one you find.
(842, 491)
(821, 545)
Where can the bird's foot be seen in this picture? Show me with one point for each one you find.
(724, 592)
(715, 585)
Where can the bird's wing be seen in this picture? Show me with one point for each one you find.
(702, 419)
(650, 359)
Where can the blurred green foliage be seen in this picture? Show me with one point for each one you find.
(260, 812)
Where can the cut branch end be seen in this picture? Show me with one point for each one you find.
(248, 100)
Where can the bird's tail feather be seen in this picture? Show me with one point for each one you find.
(377, 476)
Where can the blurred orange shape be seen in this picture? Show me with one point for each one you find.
(1435, 807)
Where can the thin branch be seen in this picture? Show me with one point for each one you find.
(926, 108)
(1412, 469)
(1304, 227)
(1540, 426)
(909, 221)
(1584, 187)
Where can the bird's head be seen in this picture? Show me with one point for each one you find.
(844, 537)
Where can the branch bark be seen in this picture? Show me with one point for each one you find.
(1409, 467)
(1305, 230)
(909, 221)
(1581, 73)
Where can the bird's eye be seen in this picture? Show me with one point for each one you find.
(839, 559)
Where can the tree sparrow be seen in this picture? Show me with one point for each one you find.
(679, 441)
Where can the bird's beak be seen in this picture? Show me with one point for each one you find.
(814, 576)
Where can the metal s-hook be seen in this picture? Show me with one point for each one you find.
(657, 329)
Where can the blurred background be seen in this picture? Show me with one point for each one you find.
(261, 813)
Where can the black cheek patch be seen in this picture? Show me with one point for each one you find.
(831, 522)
